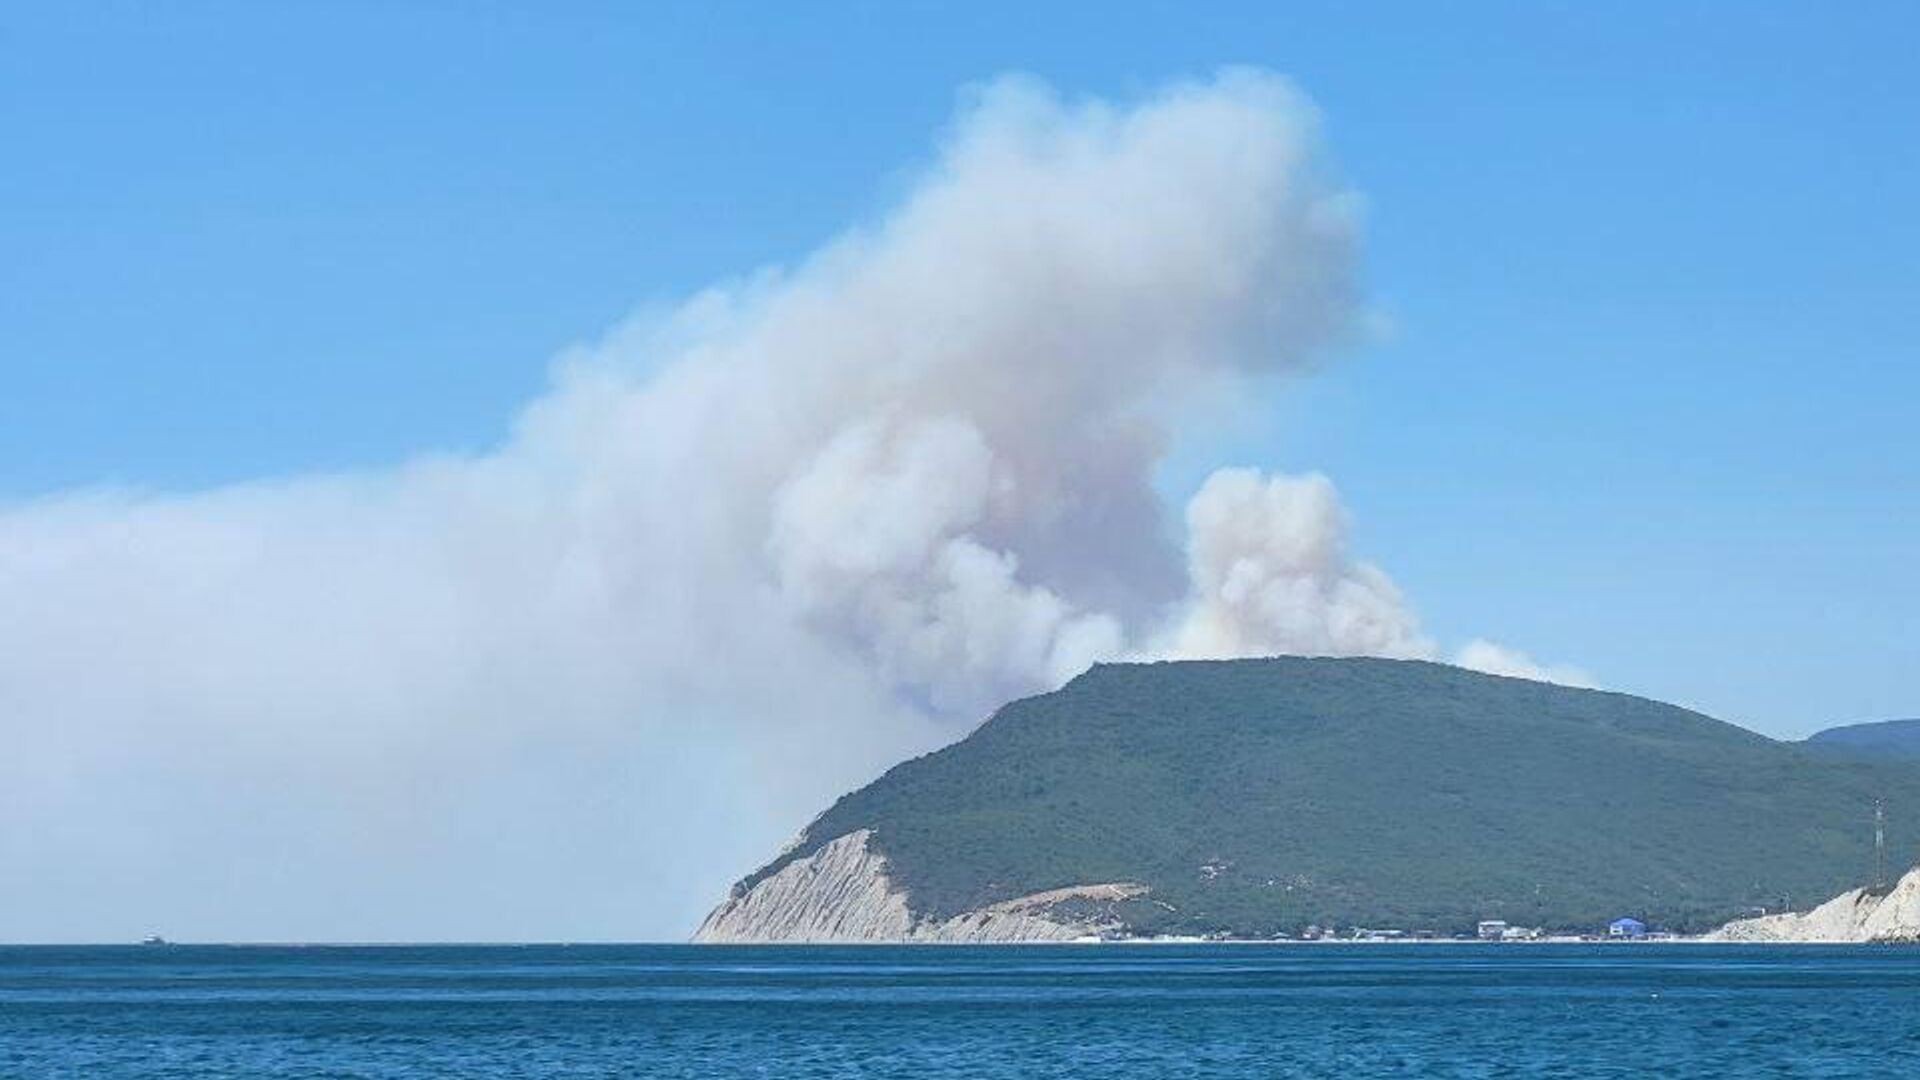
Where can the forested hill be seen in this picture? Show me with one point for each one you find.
(1258, 796)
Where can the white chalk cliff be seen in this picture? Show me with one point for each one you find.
(841, 893)
(1859, 915)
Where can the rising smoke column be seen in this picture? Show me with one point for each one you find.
(745, 552)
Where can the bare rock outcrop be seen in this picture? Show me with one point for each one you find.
(842, 893)
(1858, 915)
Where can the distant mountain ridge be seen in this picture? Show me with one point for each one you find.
(1256, 797)
(1892, 739)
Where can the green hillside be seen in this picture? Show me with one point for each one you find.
(1258, 796)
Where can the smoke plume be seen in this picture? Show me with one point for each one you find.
(743, 553)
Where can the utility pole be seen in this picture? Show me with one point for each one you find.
(1879, 845)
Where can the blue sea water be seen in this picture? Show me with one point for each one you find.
(982, 1013)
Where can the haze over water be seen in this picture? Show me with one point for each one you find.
(977, 1012)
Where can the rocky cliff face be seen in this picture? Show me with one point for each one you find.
(1859, 915)
(841, 893)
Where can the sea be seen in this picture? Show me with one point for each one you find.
(979, 1012)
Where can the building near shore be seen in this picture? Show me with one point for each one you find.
(1626, 928)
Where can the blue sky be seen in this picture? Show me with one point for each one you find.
(1646, 406)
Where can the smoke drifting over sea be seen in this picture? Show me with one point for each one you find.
(743, 553)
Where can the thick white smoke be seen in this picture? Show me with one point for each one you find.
(742, 555)
(1270, 573)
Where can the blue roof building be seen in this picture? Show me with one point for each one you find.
(1626, 928)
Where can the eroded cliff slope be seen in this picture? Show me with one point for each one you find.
(841, 893)
(1857, 915)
